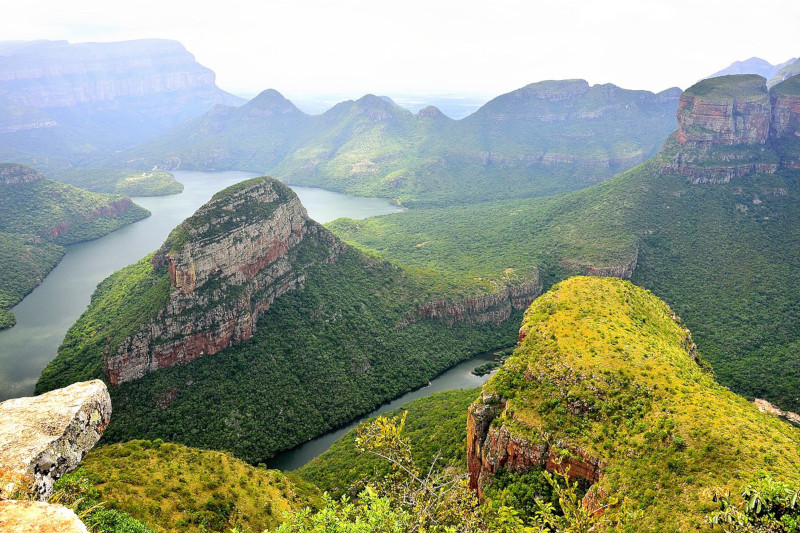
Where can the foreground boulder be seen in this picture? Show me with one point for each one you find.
(40, 517)
(46, 436)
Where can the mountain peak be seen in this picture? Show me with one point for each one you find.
(268, 103)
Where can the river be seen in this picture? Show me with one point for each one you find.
(458, 377)
(44, 316)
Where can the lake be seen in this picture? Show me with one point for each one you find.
(44, 316)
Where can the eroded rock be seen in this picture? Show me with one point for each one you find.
(38, 517)
(46, 436)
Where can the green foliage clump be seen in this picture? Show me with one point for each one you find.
(436, 428)
(175, 488)
(75, 491)
(766, 506)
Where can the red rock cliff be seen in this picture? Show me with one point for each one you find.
(227, 264)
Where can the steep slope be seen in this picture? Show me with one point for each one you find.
(38, 217)
(436, 428)
(723, 252)
(606, 383)
(547, 137)
(66, 104)
(151, 482)
(256, 135)
(306, 333)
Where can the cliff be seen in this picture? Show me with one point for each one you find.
(606, 385)
(226, 264)
(49, 74)
(733, 126)
(68, 105)
(495, 307)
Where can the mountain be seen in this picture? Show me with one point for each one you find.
(38, 217)
(256, 135)
(65, 104)
(253, 329)
(785, 72)
(754, 65)
(545, 138)
(607, 385)
(709, 225)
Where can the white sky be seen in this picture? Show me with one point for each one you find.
(433, 46)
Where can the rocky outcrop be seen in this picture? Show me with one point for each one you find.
(226, 264)
(725, 111)
(492, 446)
(495, 307)
(38, 517)
(46, 436)
(13, 174)
(766, 407)
(732, 126)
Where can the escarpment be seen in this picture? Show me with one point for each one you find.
(226, 265)
(607, 386)
(732, 126)
(494, 307)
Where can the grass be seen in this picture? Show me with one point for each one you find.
(175, 488)
(666, 430)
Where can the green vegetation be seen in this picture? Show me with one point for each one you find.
(76, 492)
(80, 357)
(38, 217)
(546, 138)
(790, 86)
(739, 86)
(436, 427)
(766, 506)
(342, 334)
(120, 181)
(23, 265)
(723, 256)
(352, 330)
(615, 376)
(174, 488)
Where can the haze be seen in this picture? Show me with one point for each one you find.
(352, 47)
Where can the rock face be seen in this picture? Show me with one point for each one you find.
(725, 111)
(38, 517)
(732, 126)
(495, 307)
(48, 74)
(46, 436)
(766, 407)
(226, 264)
(491, 447)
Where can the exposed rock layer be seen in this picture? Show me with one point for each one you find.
(734, 111)
(234, 259)
(491, 447)
(46, 436)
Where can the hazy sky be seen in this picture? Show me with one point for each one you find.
(433, 46)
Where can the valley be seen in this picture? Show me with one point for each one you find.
(279, 305)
